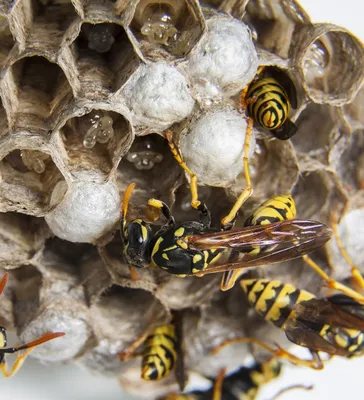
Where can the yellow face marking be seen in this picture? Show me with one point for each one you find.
(179, 232)
(2, 341)
(341, 341)
(144, 232)
(196, 258)
(156, 246)
(165, 256)
(182, 244)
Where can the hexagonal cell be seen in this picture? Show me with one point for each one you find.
(24, 190)
(21, 237)
(96, 141)
(350, 167)
(332, 63)
(122, 315)
(49, 20)
(6, 40)
(169, 27)
(271, 25)
(317, 127)
(317, 194)
(150, 164)
(36, 91)
(104, 57)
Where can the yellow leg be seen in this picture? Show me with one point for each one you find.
(134, 275)
(129, 353)
(356, 274)
(217, 392)
(277, 352)
(289, 388)
(17, 364)
(193, 184)
(247, 192)
(331, 282)
(127, 194)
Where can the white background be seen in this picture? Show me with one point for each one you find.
(341, 378)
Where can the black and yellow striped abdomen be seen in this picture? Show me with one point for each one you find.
(270, 106)
(278, 208)
(160, 354)
(272, 299)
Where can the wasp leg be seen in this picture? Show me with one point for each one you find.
(315, 363)
(217, 390)
(205, 217)
(195, 202)
(164, 209)
(28, 347)
(3, 282)
(289, 388)
(332, 283)
(124, 208)
(131, 350)
(230, 277)
(357, 277)
(228, 221)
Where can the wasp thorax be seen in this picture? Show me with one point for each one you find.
(101, 129)
(158, 23)
(35, 160)
(144, 154)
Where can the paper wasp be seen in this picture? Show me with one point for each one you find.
(194, 247)
(28, 347)
(162, 352)
(332, 324)
(242, 384)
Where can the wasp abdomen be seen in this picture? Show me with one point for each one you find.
(274, 300)
(270, 106)
(160, 354)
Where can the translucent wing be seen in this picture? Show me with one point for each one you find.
(341, 311)
(280, 241)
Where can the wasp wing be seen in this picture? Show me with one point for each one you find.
(341, 311)
(284, 240)
(244, 238)
(302, 335)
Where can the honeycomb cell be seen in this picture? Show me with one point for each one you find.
(24, 190)
(158, 181)
(171, 27)
(48, 22)
(317, 127)
(104, 59)
(6, 40)
(21, 237)
(116, 320)
(331, 61)
(36, 90)
(96, 141)
(271, 25)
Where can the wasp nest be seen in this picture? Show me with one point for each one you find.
(87, 89)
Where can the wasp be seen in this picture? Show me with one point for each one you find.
(194, 248)
(162, 352)
(242, 384)
(269, 99)
(28, 347)
(332, 324)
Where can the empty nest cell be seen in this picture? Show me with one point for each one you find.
(96, 141)
(168, 26)
(104, 58)
(27, 180)
(6, 40)
(35, 90)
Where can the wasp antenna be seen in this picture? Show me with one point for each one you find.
(127, 195)
(3, 282)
